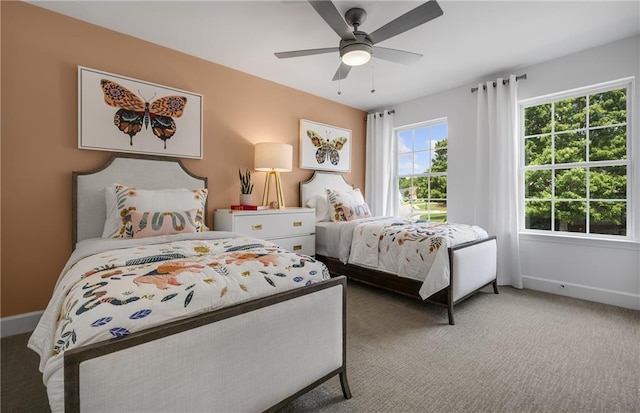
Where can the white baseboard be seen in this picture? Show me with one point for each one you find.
(18, 324)
(599, 295)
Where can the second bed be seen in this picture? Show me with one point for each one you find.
(439, 263)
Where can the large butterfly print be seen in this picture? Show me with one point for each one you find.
(133, 111)
(326, 147)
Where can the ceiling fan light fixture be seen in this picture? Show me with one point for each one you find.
(355, 54)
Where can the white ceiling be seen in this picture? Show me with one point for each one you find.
(471, 41)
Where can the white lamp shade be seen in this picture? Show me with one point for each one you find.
(273, 156)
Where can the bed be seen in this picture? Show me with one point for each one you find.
(467, 265)
(213, 321)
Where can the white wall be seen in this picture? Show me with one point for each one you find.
(596, 270)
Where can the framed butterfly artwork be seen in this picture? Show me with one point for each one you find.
(324, 147)
(122, 114)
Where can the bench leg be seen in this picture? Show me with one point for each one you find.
(345, 385)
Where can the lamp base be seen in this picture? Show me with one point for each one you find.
(279, 196)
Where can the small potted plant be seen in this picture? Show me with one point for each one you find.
(246, 187)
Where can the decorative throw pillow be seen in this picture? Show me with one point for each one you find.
(321, 206)
(152, 224)
(337, 199)
(127, 199)
(356, 212)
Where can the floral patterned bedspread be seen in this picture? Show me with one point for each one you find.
(413, 249)
(120, 291)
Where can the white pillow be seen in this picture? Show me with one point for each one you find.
(120, 198)
(321, 206)
(351, 199)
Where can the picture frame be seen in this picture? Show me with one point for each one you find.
(122, 114)
(324, 147)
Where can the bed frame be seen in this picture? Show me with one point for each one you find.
(473, 265)
(239, 358)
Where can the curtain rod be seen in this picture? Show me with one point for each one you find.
(504, 82)
(389, 112)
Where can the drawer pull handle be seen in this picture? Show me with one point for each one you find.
(297, 223)
(297, 247)
(256, 227)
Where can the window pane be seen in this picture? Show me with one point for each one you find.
(440, 161)
(438, 187)
(608, 108)
(537, 215)
(420, 187)
(537, 119)
(422, 162)
(571, 183)
(571, 147)
(422, 139)
(438, 211)
(405, 164)
(537, 184)
(608, 218)
(571, 114)
(439, 132)
(537, 151)
(608, 144)
(608, 182)
(424, 154)
(405, 141)
(571, 216)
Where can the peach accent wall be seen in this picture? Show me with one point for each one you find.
(40, 54)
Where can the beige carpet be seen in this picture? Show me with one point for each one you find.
(519, 351)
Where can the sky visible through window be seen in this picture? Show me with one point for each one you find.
(416, 148)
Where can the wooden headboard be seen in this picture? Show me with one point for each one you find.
(141, 171)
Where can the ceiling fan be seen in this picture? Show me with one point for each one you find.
(356, 47)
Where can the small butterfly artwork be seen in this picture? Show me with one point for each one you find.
(326, 148)
(134, 111)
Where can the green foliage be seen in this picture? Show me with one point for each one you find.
(557, 133)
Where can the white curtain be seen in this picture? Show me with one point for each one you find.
(497, 186)
(380, 192)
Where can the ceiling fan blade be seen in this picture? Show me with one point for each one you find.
(308, 52)
(332, 16)
(413, 18)
(342, 72)
(395, 55)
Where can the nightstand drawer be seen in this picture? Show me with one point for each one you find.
(301, 245)
(272, 225)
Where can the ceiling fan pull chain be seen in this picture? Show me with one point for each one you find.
(373, 79)
(339, 77)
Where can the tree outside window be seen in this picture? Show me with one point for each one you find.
(575, 163)
(422, 170)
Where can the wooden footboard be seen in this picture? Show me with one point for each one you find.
(254, 356)
(472, 267)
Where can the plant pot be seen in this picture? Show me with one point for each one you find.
(246, 199)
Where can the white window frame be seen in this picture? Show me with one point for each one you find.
(632, 175)
(396, 134)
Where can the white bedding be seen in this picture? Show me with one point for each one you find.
(89, 296)
(407, 248)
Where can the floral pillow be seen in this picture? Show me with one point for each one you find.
(351, 202)
(125, 199)
(152, 224)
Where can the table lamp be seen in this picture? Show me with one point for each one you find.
(273, 158)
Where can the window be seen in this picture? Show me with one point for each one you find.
(575, 162)
(422, 170)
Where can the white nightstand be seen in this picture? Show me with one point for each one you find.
(291, 228)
